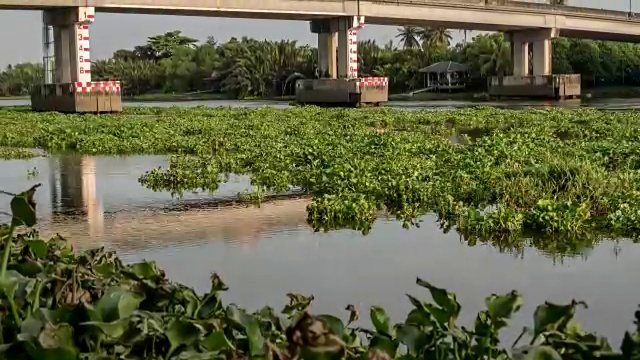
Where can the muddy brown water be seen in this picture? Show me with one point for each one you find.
(264, 253)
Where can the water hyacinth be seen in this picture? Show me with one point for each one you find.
(485, 172)
(58, 304)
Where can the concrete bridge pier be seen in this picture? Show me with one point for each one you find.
(538, 42)
(67, 85)
(338, 81)
(344, 63)
(532, 73)
(327, 55)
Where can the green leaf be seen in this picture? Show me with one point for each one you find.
(380, 319)
(256, 340)
(106, 269)
(195, 355)
(385, 344)
(117, 303)
(238, 316)
(501, 307)
(335, 325)
(23, 208)
(217, 341)
(419, 315)
(209, 306)
(446, 300)
(535, 353)
(553, 317)
(410, 336)
(9, 284)
(309, 353)
(55, 342)
(27, 267)
(113, 329)
(39, 248)
(182, 332)
(146, 270)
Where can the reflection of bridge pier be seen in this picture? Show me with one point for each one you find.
(73, 192)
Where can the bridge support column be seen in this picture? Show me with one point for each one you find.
(339, 82)
(348, 46)
(542, 57)
(538, 40)
(67, 85)
(540, 82)
(520, 58)
(346, 28)
(327, 55)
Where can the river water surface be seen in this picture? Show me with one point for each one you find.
(264, 253)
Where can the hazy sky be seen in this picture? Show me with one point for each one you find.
(22, 30)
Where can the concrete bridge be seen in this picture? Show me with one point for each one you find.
(528, 25)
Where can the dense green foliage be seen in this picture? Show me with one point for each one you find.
(246, 67)
(61, 305)
(486, 172)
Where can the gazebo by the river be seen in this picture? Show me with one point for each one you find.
(445, 75)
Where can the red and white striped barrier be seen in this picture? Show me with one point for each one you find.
(98, 87)
(373, 81)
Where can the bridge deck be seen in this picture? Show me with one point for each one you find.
(489, 15)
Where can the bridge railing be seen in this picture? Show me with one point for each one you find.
(570, 6)
(573, 6)
(613, 5)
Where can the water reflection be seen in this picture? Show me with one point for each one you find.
(74, 194)
(97, 201)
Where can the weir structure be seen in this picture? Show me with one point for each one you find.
(67, 85)
(532, 76)
(337, 81)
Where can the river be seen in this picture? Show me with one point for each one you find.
(604, 103)
(264, 253)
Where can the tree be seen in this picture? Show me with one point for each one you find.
(408, 36)
(435, 37)
(246, 67)
(20, 78)
(163, 46)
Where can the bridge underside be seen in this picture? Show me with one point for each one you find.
(459, 14)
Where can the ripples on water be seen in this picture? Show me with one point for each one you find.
(264, 253)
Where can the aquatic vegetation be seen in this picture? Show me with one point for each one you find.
(483, 171)
(17, 153)
(58, 304)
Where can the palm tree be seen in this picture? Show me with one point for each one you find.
(497, 58)
(435, 37)
(409, 37)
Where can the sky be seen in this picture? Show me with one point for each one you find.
(22, 30)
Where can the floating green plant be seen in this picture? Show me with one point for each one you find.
(549, 171)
